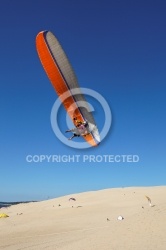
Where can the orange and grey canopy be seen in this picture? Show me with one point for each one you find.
(63, 79)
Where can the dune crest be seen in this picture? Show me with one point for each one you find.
(89, 222)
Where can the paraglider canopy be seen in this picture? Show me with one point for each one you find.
(4, 215)
(72, 199)
(149, 200)
(64, 81)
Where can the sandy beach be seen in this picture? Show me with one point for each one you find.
(90, 222)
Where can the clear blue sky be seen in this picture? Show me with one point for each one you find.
(116, 48)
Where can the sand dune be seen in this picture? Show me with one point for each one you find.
(90, 222)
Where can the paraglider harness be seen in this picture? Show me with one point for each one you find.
(76, 131)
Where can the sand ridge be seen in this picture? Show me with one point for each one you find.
(90, 222)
